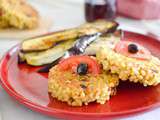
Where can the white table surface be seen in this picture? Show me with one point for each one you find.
(64, 16)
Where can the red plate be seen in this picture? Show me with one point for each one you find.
(30, 88)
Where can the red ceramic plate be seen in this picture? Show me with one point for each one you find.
(30, 88)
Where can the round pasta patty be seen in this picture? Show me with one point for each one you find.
(146, 72)
(77, 90)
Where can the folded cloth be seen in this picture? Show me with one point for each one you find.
(139, 9)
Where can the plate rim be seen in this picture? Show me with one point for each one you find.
(54, 111)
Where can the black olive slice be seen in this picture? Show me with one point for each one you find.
(132, 48)
(82, 69)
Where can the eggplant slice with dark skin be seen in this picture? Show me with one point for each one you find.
(46, 56)
(47, 41)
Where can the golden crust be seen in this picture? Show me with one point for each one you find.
(77, 90)
(18, 14)
(146, 72)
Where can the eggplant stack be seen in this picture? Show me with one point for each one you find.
(47, 48)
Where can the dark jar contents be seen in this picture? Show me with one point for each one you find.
(100, 9)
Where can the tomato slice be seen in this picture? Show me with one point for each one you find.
(142, 54)
(72, 62)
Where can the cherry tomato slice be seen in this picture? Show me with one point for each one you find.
(142, 54)
(72, 62)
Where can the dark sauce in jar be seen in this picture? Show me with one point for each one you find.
(0, 12)
(100, 9)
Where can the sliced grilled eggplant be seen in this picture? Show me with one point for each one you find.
(48, 56)
(47, 41)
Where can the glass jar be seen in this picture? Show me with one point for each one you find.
(100, 9)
